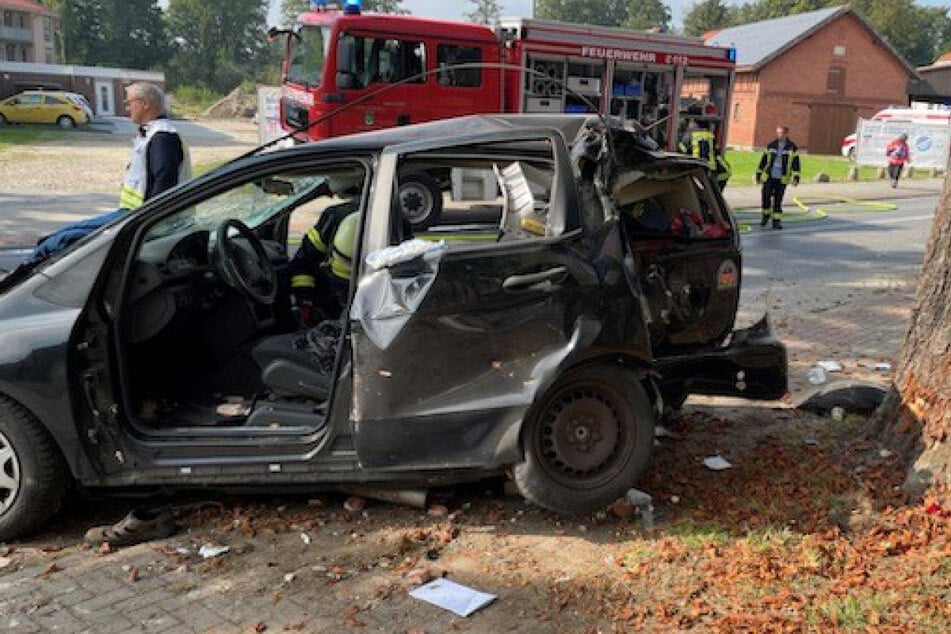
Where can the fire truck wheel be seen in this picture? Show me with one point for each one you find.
(587, 441)
(420, 200)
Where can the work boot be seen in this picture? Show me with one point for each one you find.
(764, 220)
(777, 223)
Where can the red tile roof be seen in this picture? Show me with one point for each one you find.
(944, 58)
(29, 6)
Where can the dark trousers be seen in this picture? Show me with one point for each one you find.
(894, 171)
(773, 190)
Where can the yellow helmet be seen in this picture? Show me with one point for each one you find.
(344, 245)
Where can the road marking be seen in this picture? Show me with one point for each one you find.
(817, 228)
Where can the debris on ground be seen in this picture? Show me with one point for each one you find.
(830, 365)
(858, 397)
(716, 463)
(817, 376)
(211, 550)
(452, 596)
(884, 367)
(354, 504)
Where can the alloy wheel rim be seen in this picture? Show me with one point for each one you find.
(9, 474)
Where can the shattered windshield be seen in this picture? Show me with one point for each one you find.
(308, 52)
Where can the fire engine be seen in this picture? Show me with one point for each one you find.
(345, 71)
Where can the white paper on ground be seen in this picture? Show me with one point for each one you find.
(452, 596)
(209, 550)
(883, 366)
(716, 463)
(830, 365)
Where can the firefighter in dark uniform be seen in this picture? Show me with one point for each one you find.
(778, 167)
(699, 142)
(320, 270)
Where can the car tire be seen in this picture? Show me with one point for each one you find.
(420, 200)
(33, 478)
(851, 156)
(586, 441)
(3, 120)
(66, 122)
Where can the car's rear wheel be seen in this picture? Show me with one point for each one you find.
(587, 441)
(32, 473)
(66, 122)
(420, 200)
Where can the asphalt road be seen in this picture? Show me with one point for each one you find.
(844, 248)
(847, 247)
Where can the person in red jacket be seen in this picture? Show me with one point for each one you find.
(898, 154)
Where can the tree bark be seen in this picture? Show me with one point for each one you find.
(915, 418)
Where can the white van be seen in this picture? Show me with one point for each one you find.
(912, 115)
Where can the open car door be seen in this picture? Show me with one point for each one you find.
(452, 341)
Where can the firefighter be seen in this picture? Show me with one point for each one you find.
(320, 270)
(778, 166)
(699, 142)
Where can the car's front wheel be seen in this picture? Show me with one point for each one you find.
(587, 440)
(66, 122)
(32, 474)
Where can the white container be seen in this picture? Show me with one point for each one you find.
(584, 85)
(542, 104)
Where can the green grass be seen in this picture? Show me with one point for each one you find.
(744, 163)
(14, 136)
(696, 534)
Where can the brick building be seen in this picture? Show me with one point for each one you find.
(817, 72)
(27, 32)
(935, 84)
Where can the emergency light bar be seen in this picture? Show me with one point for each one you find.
(318, 5)
(352, 7)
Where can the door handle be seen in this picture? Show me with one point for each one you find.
(517, 282)
(402, 119)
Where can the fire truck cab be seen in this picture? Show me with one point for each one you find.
(345, 72)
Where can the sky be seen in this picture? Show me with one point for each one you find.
(456, 9)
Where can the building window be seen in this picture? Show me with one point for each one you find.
(736, 110)
(835, 81)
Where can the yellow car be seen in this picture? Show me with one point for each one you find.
(35, 106)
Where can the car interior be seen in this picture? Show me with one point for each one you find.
(210, 331)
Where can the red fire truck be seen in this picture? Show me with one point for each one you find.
(357, 65)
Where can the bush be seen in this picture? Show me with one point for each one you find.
(193, 100)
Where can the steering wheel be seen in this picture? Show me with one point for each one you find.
(249, 271)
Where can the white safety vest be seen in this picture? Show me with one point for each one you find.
(132, 193)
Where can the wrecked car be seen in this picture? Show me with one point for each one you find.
(539, 329)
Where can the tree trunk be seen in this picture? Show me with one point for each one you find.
(915, 418)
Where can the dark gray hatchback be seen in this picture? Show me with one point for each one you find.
(575, 286)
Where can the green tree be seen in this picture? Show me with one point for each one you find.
(600, 12)
(385, 6)
(290, 9)
(485, 12)
(645, 15)
(128, 33)
(217, 46)
(706, 15)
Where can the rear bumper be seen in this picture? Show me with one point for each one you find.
(752, 365)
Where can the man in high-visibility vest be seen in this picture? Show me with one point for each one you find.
(778, 167)
(160, 161)
(700, 142)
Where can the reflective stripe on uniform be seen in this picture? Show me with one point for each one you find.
(303, 281)
(314, 236)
